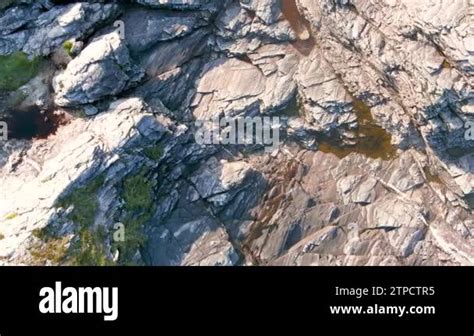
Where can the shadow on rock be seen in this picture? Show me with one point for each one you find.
(145, 193)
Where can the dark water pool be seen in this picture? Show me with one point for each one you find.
(32, 123)
(372, 140)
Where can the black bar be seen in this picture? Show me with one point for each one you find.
(243, 298)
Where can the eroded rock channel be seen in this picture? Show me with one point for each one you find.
(373, 101)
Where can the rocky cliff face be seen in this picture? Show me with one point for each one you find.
(375, 165)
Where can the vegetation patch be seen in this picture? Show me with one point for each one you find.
(39, 233)
(470, 200)
(16, 70)
(52, 249)
(84, 202)
(67, 46)
(87, 247)
(2, 236)
(137, 192)
(11, 216)
(137, 195)
(155, 152)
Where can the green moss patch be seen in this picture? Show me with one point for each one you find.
(137, 192)
(67, 46)
(87, 247)
(470, 200)
(84, 202)
(155, 152)
(51, 249)
(16, 70)
(39, 233)
(137, 196)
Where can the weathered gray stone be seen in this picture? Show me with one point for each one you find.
(104, 68)
(42, 33)
(386, 75)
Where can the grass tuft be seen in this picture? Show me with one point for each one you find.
(16, 70)
(137, 195)
(67, 46)
(137, 192)
(84, 202)
(53, 250)
(155, 152)
(87, 248)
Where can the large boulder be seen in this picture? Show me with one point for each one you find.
(103, 69)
